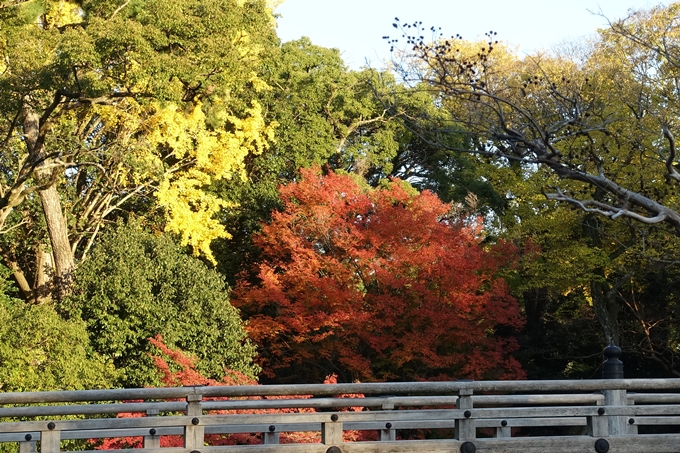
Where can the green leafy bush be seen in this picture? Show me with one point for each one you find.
(39, 350)
(136, 285)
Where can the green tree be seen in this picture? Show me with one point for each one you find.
(137, 285)
(105, 104)
(591, 126)
(41, 351)
(326, 115)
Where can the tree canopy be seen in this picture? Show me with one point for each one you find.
(588, 126)
(106, 105)
(371, 284)
(137, 285)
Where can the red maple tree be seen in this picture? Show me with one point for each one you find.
(376, 284)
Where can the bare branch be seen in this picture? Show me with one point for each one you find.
(356, 125)
(612, 211)
(14, 227)
(119, 8)
(672, 172)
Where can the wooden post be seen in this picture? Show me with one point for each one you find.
(331, 432)
(152, 440)
(194, 433)
(28, 446)
(632, 426)
(50, 439)
(504, 430)
(612, 368)
(271, 437)
(388, 433)
(465, 428)
(618, 425)
(598, 425)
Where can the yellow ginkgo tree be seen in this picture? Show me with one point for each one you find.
(109, 106)
(208, 155)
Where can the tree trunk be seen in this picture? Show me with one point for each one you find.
(58, 232)
(606, 309)
(51, 202)
(604, 296)
(20, 277)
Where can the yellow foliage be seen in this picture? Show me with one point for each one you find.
(60, 13)
(205, 156)
(198, 156)
(258, 84)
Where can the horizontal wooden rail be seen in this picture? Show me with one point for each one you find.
(311, 403)
(596, 414)
(565, 444)
(390, 388)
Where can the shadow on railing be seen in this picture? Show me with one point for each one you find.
(485, 416)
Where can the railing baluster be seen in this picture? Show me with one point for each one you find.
(271, 437)
(618, 425)
(598, 425)
(465, 428)
(195, 432)
(387, 434)
(28, 446)
(50, 439)
(504, 430)
(331, 432)
(152, 440)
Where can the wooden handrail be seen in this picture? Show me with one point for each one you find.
(607, 410)
(392, 388)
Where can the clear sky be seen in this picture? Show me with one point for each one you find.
(356, 27)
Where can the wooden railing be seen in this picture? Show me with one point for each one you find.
(612, 415)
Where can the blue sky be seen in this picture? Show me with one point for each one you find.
(356, 27)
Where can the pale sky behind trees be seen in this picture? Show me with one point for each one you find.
(356, 27)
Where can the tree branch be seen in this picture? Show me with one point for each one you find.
(672, 172)
(615, 212)
(119, 8)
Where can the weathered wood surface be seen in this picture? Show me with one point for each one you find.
(607, 410)
(565, 444)
(653, 398)
(312, 403)
(403, 388)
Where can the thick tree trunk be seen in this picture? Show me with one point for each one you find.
(58, 232)
(49, 196)
(606, 309)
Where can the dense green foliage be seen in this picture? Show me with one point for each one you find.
(39, 350)
(137, 285)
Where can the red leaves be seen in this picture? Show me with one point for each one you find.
(377, 284)
(185, 374)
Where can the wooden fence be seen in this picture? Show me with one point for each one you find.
(613, 414)
(609, 415)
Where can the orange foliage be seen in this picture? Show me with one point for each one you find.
(185, 374)
(377, 284)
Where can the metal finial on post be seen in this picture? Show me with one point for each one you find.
(612, 368)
